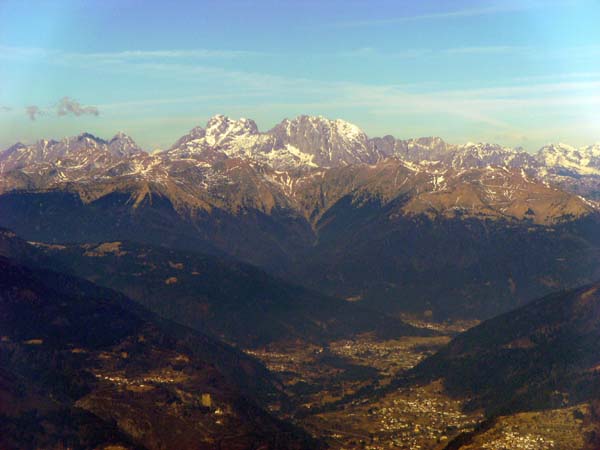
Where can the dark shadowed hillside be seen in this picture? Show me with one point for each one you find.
(235, 301)
(540, 356)
(83, 367)
(400, 237)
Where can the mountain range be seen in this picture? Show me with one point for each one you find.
(319, 203)
(140, 286)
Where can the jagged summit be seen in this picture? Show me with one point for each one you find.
(123, 145)
(306, 142)
(301, 144)
(583, 161)
(325, 142)
(83, 150)
(221, 129)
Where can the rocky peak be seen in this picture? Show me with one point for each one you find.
(484, 154)
(81, 150)
(331, 142)
(592, 150)
(221, 129)
(12, 149)
(583, 161)
(194, 134)
(321, 126)
(122, 145)
(432, 142)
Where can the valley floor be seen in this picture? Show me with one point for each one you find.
(342, 394)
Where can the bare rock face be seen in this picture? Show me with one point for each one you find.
(328, 143)
(122, 145)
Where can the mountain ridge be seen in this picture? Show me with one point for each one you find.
(314, 190)
(220, 130)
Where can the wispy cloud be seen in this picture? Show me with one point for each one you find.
(476, 105)
(171, 54)
(557, 76)
(506, 6)
(125, 55)
(492, 49)
(366, 52)
(582, 52)
(526, 90)
(492, 107)
(5, 108)
(469, 12)
(67, 106)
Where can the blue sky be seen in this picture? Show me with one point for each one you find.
(512, 72)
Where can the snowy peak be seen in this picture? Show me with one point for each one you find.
(86, 144)
(430, 148)
(321, 129)
(592, 150)
(297, 148)
(83, 150)
(330, 143)
(74, 143)
(12, 149)
(303, 142)
(484, 154)
(221, 129)
(434, 150)
(222, 135)
(582, 161)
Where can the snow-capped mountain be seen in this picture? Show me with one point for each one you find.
(323, 142)
(288, 156)
(565, 158)
(320, 190)
(576, 170)
(483, 154)
(80, 151)
(222, 137)
(303, 142)
(433, 150)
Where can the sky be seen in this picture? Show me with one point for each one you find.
(518, 73)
